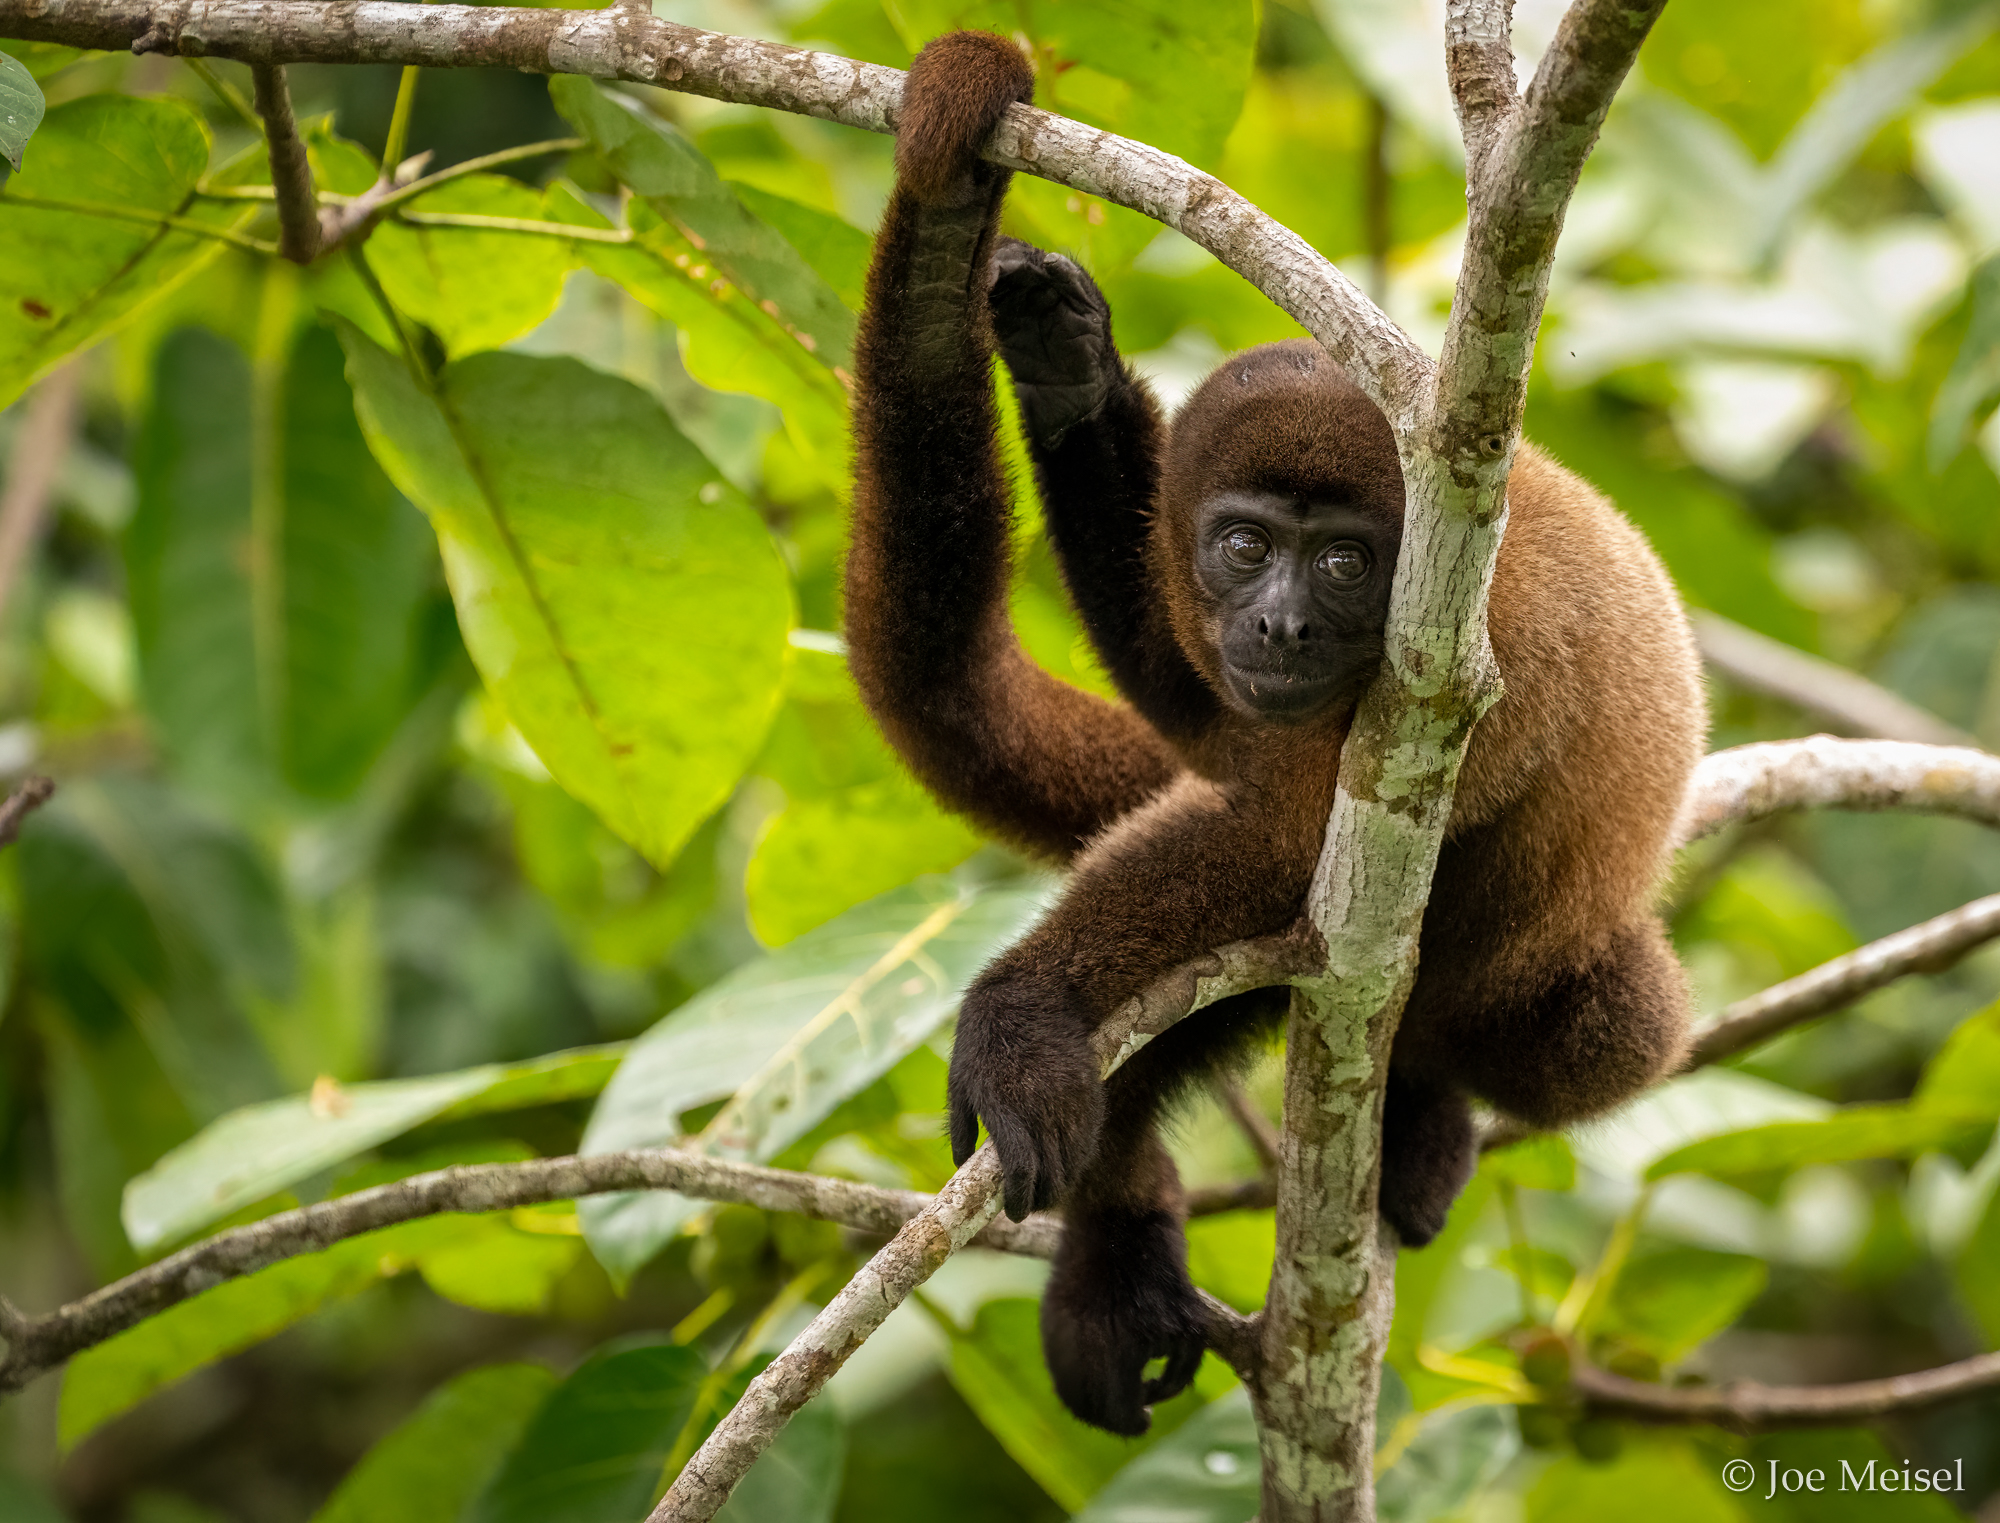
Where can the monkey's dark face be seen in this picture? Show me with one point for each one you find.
(1299, 591)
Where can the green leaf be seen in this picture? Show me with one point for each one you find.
(475, 289)
(1975, 374)
(1542, 1162)
(357, 563)
(832, 245)
(490, 1264)
(594, 1452)
(21, 108)
(435, 1461)
(1977, 1271)
(1667, 1303)
(1420, 1278)
(102, 1382)
(789, 1037)
(260, 1150)
(1651, 1481)
(1230, 1255)
(729, 343)
(189, 564)
(661, 166)
(797, 1479)
(818, 857)
(70, 277)
(23, 1502)
(623, 603)
(1205, 1471)
(1859, 1131)
(997, 1366)
(1963, 1076)
(1852, 110)
(1451, 1457)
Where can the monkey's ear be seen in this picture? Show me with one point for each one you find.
(959, 87)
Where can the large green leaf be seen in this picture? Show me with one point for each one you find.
(1652, 1481)
(262, 1149)
(21, 108)
(623, 602)
(789, 1037)
(660, 165)
(189, 563)
(1205, 1471)
(1452, 1456)
(1859, 1131)
(1977, 1271)
(1668, 1302)
(69, 276)
(1230, 1255)
(356, 562)
(435, 1461)
(474, 288)
(1975, 374)
(594, 1452)
(729, 343)
(997, 1366)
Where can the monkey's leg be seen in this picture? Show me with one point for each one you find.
(1428, 1153)
(1194, 868)
(1594, 1035)
(1119, 1296)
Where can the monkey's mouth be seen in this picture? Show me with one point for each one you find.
(1274, 694)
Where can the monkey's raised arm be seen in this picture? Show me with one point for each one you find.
(1096, 438)
(929, 639)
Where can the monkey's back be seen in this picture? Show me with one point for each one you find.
(1564, 813)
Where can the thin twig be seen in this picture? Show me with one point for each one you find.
(291, 170)
(34, 792)
(41, 443)
(1252, 1123)
(1841, 698)
(1746, 1405)
(484, 162)
(225, 92)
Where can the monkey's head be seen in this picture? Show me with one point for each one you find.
(1281, 512)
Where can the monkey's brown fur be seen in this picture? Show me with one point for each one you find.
(1545, 986)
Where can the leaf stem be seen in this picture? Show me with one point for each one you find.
(144, 218)
(227, 93)
(517, 225)
(399, 121)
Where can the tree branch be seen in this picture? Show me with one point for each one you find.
(962, 1208)
(291, 172)
(1479, 61)
(1844, 699)
(1746, 1405)
(34, 792)
(624, 43)
(1822, 772)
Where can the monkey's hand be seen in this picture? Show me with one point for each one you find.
(1118, 1298)
(1054, 331)
(1022, 1062)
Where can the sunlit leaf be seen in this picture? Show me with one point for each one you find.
(1205, 1471)
(729, 343)
(1859, 1131)
(490, 1264)
(624, 603)
(1541, 1162)
(435, 1461)
(260, 1150)
(593, 1453)
(69, 276)
(1668, 1302)
(474, 288)
(997, 1366)
(670, 173)
(836, 248)
(21, 108)
(789, 1037)
(1651, 1481)
(1230, 1255)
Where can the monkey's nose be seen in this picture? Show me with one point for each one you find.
(1284, 629)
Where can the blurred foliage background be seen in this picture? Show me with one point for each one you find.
(435, 651)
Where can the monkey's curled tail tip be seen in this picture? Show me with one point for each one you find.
(959, 87)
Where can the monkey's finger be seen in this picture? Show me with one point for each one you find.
(964, 1129)
(1018, 1169)
(1183, 1359)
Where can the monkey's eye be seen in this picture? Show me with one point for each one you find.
(1345, 562)
(1246, 546)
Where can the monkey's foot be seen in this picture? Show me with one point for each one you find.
(1118, 1299)
(1428, 1153)
(1022, 1063)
